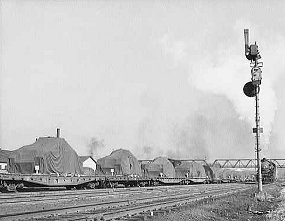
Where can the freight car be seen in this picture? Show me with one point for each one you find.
(13, 182)
(17, 181)
(51, 162)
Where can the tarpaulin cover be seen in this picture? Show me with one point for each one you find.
(51, 154)
(152, 170)
(190, 169)
(4, 156)
(25, 167)
(209, 172)
(160, 165)
(122, 161)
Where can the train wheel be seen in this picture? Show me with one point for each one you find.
(70, 187)
(11, 187)
(91, 185)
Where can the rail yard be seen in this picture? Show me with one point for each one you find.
(40, 183)
(108, 204)
(121, 187)
(142, 111)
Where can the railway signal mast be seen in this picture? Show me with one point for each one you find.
(251, 89)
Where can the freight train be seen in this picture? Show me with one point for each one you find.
(17, 181)
(12, 182)
(51, 162)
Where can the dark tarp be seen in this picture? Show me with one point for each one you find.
(209, 172)
(25, 167)
(88, 171)
(160, 165)
(122, 161)
(53, 155)
(152, 170)
(4, 156)
(11, 165)
(190, 169)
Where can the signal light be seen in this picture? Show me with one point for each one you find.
(249, 89)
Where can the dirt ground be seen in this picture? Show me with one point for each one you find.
(240, 206)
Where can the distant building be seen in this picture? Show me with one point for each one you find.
(4, 159)
(89, 165)
(3, 166)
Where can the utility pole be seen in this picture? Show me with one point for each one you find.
(251, 89)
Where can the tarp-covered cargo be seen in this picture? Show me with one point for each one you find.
(4, 159)
(151, 170)
(190, 169)
(4, 156)
(121, 162)
(52, 155)
(160, 166)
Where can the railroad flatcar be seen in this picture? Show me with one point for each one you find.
(15, 181)
(51, 162)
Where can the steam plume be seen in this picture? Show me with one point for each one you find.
(96, 146)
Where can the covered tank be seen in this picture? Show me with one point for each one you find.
(4, 155)
(160, 166)
(51, 155)
(190, 169)
(120, 162)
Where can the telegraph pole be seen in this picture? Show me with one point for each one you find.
(251, 89)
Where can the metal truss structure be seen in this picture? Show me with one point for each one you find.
(225, 163)
(177, 162)
(235, 163)
(244, 163)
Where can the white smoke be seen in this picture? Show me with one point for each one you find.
(226, 70)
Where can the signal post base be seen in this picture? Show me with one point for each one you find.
(261, 196)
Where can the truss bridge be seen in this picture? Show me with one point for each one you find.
(244, 163)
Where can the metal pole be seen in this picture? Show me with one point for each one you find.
(257, 119)
(252, 54)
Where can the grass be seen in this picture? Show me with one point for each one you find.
(239, 206)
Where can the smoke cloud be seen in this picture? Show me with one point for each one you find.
(172, 87)
(210, 128)
(219, 121)
(199, 111)
(96, 148)
(226, 77)
(277, 138)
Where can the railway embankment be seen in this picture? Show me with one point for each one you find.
(238, 206)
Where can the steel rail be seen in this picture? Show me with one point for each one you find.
(154, 205)
(100, 207)
(67, 194)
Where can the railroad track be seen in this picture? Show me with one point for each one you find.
(24, 198)
(26, 202)
(62, 197)
(135, 204)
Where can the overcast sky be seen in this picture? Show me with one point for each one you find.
(154, 77)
